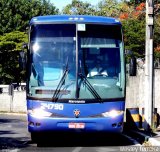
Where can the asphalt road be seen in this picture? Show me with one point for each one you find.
(14, 136)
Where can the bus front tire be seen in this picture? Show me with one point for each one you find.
(34, 137)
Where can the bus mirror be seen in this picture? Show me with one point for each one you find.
(22, 60)
(25, 46)
(132, 66)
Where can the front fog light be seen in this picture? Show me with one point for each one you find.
(112, 113)
(39, 113)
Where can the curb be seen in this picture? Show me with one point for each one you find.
(136, 143)
(13, 113)
(153, 141)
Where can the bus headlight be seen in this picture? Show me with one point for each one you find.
(112, 113)
(39, 113)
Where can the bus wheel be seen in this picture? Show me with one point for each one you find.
(34, 137)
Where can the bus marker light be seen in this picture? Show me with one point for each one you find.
(71, 18)
(81, 18)
(116, 20)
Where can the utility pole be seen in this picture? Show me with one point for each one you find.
(148, 114)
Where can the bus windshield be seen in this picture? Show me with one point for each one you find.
(63, 57)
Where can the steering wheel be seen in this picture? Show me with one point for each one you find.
(100, 75)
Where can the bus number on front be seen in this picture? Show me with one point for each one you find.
(50, 106)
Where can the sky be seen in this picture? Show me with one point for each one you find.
(62, 3)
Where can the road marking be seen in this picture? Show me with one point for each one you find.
(13, 150)
(77, 149)
(101, 149)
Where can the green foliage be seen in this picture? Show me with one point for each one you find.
(135, 2)
(10, 45)
(157, 37)
(109, 8)
(12, 41)
(15, 14)
(157, 31)
(80, 8)
(9, 70)
(134, 35)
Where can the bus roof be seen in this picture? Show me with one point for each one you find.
(74, 19)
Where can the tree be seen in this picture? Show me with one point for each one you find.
(134, 35)
(80, 8)
(157, 37)
(109, 8)
(133, 21)
(15, 14)
(157, 28)
(10, 45)
(135, 2)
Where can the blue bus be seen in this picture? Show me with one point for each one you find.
(75, 74)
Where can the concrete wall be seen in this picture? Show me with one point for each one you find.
(15, 103)
(135, 90)
(134, 94)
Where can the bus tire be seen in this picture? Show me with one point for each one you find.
(34, 137)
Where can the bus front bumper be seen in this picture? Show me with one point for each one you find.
(75, 124)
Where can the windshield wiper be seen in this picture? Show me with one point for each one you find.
(90, 87)
(61, 82)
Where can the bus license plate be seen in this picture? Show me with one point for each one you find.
(76, 125)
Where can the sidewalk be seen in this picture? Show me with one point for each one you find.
(155, 138)
(155, 141)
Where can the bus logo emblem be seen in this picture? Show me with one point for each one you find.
(76, 113)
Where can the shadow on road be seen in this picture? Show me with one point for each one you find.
(13, 134)
(12, 143)
(10, 133)
(83, 140)
(3, 121)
